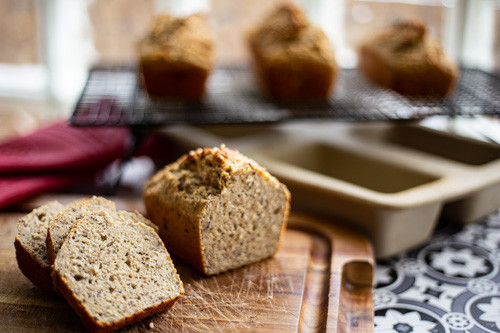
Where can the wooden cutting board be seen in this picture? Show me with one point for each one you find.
(320, 280)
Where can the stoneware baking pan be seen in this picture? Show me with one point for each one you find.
(392, 180)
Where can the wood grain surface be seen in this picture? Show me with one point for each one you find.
(319, 281)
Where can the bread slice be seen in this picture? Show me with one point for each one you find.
(31, 250)
(59, 227)
(218, 209)
(136, 217)
(115, 272)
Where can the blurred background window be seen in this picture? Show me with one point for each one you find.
(21, 70)
(18, 32)
(48, 46)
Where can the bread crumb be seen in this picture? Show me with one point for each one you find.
(151, 325)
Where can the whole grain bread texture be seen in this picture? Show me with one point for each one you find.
(30, 245)
(176, 57)
(60, 226)
(217, 209)
(293, 59)
(114, 273)
(406, 58)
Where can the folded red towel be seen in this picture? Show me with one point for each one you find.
(56, 156)
(61, 147)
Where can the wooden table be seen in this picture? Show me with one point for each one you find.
(320, 280)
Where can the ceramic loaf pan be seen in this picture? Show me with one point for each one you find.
(393, 180)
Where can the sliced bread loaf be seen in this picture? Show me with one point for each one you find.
(31, 250)
(59, 227)
(218, 209)
(61, 224)
(114, 272)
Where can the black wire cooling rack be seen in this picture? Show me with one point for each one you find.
(113, 96)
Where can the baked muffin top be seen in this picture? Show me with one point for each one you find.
(180, 40)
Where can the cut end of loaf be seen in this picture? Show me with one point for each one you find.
(244, 224)
(115, 273)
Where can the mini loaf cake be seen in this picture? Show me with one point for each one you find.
(217, 209)
(31, 250)
(407, 59)
(176, 57)
(114, 273)
(293, 59)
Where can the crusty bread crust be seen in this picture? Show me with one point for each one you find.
(163, 80)
(51, 254)
(408, 60)
(37, 273)
(174, 235)
(293, 59)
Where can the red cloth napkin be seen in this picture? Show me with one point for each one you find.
(61, 147)
(56, 156)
